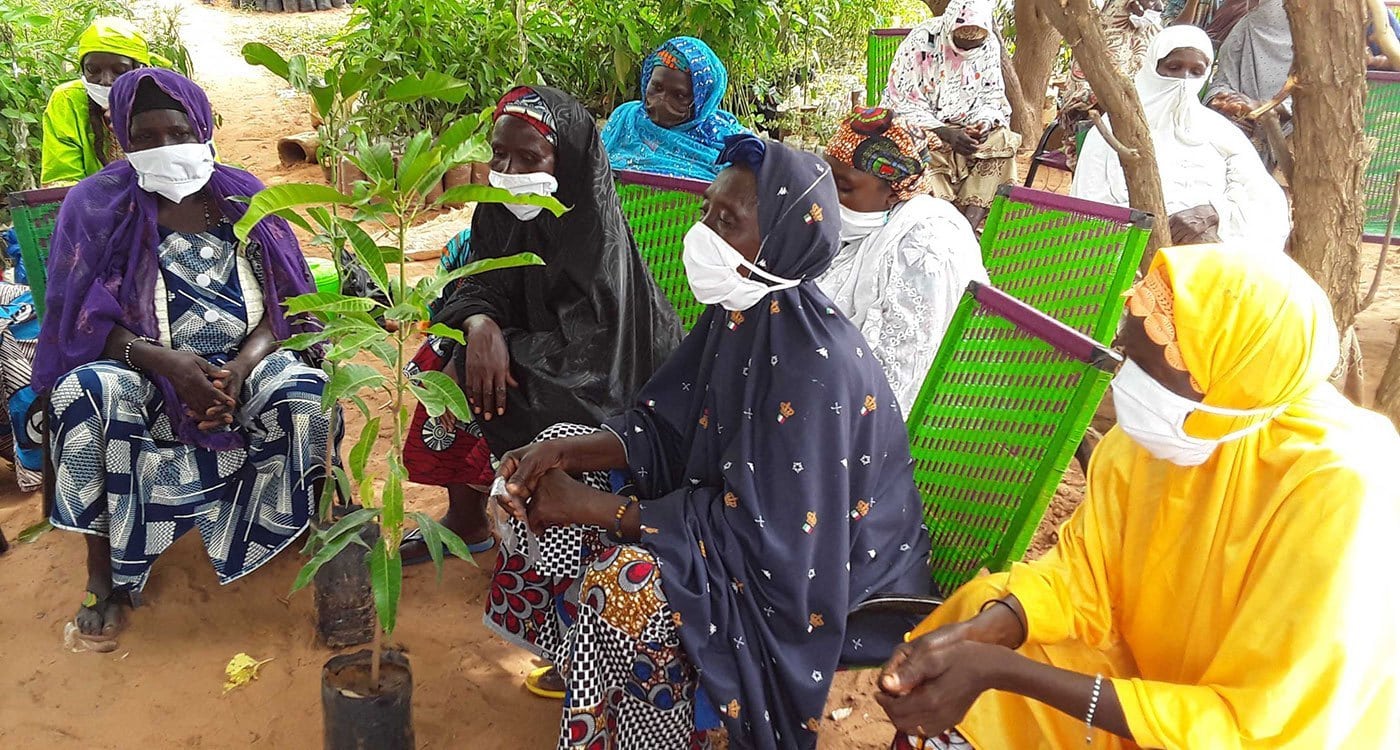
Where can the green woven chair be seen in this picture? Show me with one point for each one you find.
(35, 212)
(1383, 124)
(880, 46)
(1006, 401)
(660, 210)
(1069, 258)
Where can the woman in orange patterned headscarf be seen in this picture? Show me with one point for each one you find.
(1227, 582)
(905, 256)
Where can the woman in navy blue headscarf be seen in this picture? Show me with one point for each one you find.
(773, 493)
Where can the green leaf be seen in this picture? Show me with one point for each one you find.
(294, 218)
(34, 531)
(459, 134)
(454, 543)
(418, 164)
(430, 85)
(369, 435)
(353, 343)
(367, 252)
(323, 556)
(443, 395)
(447, 332)
(386, 579)
(488, 194)
(324, 98)
(280, 197)
(392, 499)
(406, 312)
(354, 77)
(330, 302)
(430, 287)
(376, 160)
(431, 538)
(342, 482)
(257, 53)
(302, 341)
(349, 379)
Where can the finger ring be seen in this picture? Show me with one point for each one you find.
(501, 389)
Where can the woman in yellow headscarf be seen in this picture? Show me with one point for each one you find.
(1228, 581)
(78, 138)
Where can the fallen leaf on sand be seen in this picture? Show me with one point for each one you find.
(241, 670)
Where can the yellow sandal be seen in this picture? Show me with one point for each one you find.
(533, 680)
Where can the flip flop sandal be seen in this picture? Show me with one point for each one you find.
(416, 535)
(533, 683)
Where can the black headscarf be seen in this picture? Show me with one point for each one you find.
(586, 330)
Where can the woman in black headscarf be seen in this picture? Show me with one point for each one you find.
(571, 341)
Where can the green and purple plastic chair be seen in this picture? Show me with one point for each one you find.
(880, 46)
(660, 210)
(35, 212)
(1383, 170)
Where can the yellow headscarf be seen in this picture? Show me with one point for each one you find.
(1246, 603)
(116, 36)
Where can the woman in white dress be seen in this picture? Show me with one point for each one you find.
(1215, 186)
(905, 256)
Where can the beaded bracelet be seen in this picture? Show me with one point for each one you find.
(622, 511)
(1093, 706)
(126, 352)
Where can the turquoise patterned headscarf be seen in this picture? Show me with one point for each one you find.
(690, 149)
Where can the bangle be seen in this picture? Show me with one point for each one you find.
(1093, 706)
(1025, 631)
(622, 511)
(126, 353)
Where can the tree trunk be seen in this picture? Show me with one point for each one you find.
(1025, 113)
(1080, 24)
(1388, 392)
(1329, 146)
(1037, 46)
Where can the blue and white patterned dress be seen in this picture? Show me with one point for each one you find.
(122, 473)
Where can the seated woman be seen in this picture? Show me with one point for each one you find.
(1253, 64)
(572, 340)
(172, 406)
(1215, 186)
(677, 129)
(1228, 581)
(773, 494)
(946, 78)
(78, 138)
(905, 256)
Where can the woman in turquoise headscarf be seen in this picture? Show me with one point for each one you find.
(677, 128)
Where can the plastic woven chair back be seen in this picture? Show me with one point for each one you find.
(880, 46)
(1006, 402)
(1382, 124)
(35, 212)
(660, 210)
(1071, 259)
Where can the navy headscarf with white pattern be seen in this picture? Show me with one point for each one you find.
(776, 468)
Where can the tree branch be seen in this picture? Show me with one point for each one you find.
(1123, 151)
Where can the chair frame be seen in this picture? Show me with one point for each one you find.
(32, 254)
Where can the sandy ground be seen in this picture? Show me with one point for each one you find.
(163, 686)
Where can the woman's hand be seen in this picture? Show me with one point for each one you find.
(524, 467)
(488, 367)
(958, 139)
(930, 683)
(1195, 225)
(199, 385)
(561, 500)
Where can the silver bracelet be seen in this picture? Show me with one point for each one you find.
(126, 353)
(1093, 706)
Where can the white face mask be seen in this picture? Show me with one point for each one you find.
(102, 95)
(1149, 18)
(857, 225)
(712, 268)
(1155, 418)
(530, 183)
(175, 172)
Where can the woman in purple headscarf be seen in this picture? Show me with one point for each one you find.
(773, 492)
(171, 405)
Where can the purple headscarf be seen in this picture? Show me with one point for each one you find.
(102, 265)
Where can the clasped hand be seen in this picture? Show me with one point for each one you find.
(539, 491)
(929, 684)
